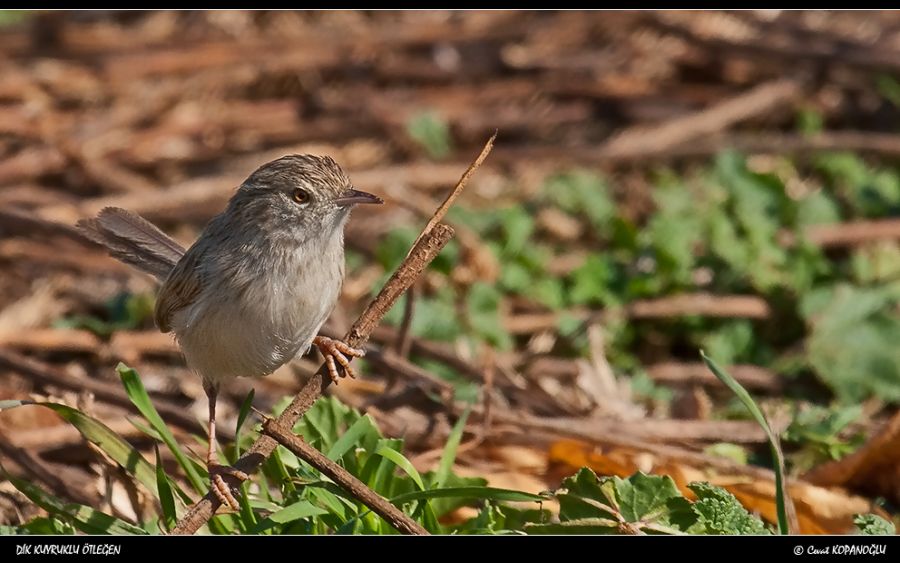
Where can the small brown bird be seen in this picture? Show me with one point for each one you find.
(255, 288)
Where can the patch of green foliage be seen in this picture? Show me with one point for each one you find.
(718, 229)
(432, 133)
(648, 504)
(287, 496)
(873, 525)
(124, 311)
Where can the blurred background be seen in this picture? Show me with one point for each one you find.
(662, 183)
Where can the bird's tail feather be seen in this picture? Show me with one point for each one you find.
(133, 240)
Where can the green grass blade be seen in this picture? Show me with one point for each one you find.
(242, 417)
(83, 518)
(350, 438)
(139, 397)
(103, 437)
(397, 459)
(290, 513)
(481, 493)
(781, 499)
(449, 454)
(166, 498)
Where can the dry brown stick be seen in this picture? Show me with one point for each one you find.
(427, 247)
(451, 197)
(640, 140)
(848, 234)
(694, 373)
(380, 506)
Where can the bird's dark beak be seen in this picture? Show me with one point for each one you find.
(353, 197)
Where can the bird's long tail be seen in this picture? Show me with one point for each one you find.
(133, 240)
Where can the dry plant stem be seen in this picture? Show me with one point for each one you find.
(427, 246)
(444, 207)
(421, 255)
(393, 515)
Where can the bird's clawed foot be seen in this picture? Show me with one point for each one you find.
(336, 352)
(220, 487)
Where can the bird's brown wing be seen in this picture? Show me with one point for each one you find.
(179, 290)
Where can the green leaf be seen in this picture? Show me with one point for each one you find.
(448, 456)
(583, 192)
(351, 437)
(288, 514)
(483, 312)
(591, 282)
(401, 462)
(853, 342)
(166, 498)
(873, 525)
(483, 493)
(84, 518)
(781, 499)
(431, 131)
(732, 342)
(644, 495)
(606, 505)
(242, 417)
(719, 512)
(734, 452)
(517, 226)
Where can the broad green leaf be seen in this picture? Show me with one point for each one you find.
(719, 512)
(873, 525)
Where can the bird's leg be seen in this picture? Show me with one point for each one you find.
(336, 350)
(217, 483)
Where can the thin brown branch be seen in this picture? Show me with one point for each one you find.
(429, 243)
(451, 197)
(380, 506)
(641, 140)
(678, 373)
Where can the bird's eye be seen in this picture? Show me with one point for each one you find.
(301, 195)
